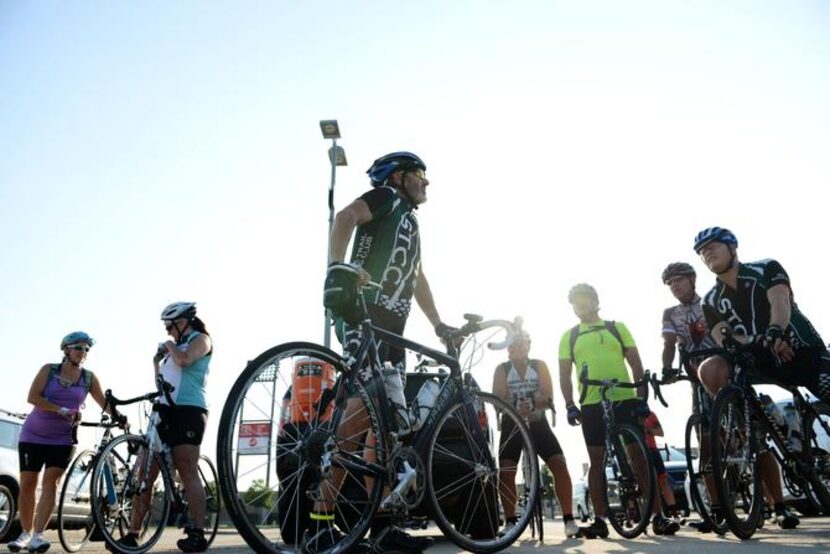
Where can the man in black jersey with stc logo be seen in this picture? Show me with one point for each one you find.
(755, 301)
(386, 251)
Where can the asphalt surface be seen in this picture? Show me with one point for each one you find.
(813, 535)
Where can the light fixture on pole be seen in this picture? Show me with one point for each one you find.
(337, 157)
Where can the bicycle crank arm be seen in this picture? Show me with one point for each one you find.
(406, 480)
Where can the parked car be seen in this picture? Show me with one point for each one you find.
(9, 476)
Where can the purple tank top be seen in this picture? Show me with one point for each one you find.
(42, 427)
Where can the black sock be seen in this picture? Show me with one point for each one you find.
(779, 508)
(567, 517)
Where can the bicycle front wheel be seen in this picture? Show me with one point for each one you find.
(280, 449)
(700, 471)
(75, 520)
(735, 467)
(129, 496)
(472, 482)
(816, 456)
(630, 482)
(213, 501)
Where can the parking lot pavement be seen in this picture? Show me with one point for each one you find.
(812, 536)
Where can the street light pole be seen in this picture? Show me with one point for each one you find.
(337, 156)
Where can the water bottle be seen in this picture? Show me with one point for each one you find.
(773, 411)
(424, 402)
(793, 421)
(394, 390)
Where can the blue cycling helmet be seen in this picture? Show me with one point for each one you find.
(76, 337)
(719, 234)
(386, 165)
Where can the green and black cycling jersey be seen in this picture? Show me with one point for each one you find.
(746, 309)
(388, 247)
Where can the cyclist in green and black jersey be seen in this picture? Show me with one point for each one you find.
(755, 301)
(387, 251)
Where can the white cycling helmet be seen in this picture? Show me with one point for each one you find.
(179, 310)
(520, 336)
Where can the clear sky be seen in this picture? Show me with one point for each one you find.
(161, 151)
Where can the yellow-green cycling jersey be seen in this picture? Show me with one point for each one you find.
(602, 351)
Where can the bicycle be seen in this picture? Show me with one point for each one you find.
(124, 481)
(741, 427)
(76, 523)
(629, 494)
(450, 458)
(699, 470)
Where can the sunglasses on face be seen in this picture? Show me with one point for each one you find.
(79, 348)
(418, 173)
(168, 326)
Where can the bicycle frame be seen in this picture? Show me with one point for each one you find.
(452, 389)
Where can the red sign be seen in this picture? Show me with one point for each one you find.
(254, 437)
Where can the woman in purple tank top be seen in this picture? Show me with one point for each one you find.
(57, 394)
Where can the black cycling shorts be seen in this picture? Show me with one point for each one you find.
(181, 424)
(510, 443)
(593, 427)
(350, 336)
(810, 368)
(34, 456)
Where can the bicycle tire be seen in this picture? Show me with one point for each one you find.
(295, 451)
(735, 465)
(467, 509)
(636, 496)
(75, 498)
(700, 496)
(817, 458)
(115, 480)
(213, 500)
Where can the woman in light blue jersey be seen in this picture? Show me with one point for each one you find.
(183, 362)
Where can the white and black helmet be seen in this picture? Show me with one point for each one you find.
(179, 310)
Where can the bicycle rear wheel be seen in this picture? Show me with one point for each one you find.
(310, 449)
(124, 500)
(75, 520)
(213, 501)
(735, 467)
(698, 474)
(630, 482)
(465, 470)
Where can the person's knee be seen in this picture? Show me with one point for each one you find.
(713, 373)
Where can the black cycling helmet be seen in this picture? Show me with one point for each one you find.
(677, 269)
(582, 289)
(386, 165)
(714, 234)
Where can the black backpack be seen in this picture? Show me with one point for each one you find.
(611, 326)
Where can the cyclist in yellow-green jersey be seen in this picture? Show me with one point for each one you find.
(605, 347)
